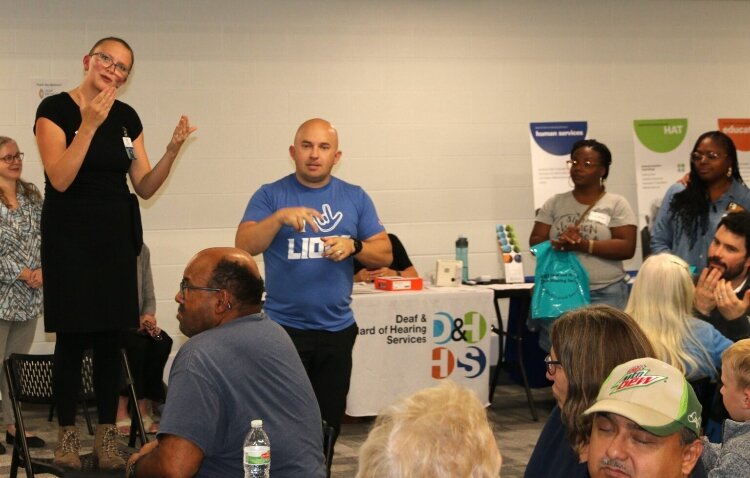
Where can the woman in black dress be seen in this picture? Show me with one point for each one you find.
(91, 234)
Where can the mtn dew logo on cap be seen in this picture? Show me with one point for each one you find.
(637, 376)
(651, 393)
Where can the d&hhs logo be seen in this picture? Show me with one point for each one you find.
(469, 359)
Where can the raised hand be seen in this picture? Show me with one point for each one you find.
(704, 300)
(730, 306)
(182, 131)
(94, 113)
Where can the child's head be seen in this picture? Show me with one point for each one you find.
(735, 377)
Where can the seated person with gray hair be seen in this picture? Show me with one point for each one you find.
(438, 432)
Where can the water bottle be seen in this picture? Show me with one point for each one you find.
(462, 254)
(257, 452)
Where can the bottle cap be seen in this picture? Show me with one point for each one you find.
(256, 424)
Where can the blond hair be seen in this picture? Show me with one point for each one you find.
(662, 303)
(440, 432)
(27, 189)
(737, 359)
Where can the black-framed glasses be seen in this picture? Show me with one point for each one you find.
(108, 61)
(698, 156)
(574, 163)
(9, 158)
(551, 364)
(185, 286)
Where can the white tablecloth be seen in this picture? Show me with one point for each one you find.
(412, 340)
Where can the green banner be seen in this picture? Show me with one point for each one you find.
(662, 135)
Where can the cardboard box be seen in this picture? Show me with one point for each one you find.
(396, 283)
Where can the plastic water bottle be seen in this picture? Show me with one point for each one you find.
(462, 254)
(256, 455)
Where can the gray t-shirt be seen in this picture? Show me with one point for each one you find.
(243, 370)
(612, 210)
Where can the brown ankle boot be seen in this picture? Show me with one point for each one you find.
(68, 445)
(105, 448)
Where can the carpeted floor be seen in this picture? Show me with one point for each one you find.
(515, 431)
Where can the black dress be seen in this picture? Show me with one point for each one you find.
(91, 233)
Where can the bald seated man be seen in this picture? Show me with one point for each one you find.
(237, 366)
(309, 226)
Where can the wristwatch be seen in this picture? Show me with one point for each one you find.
(357, 246)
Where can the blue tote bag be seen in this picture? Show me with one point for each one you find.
(560, 282)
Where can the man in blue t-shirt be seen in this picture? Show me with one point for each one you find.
(309, 225)
(237, 366)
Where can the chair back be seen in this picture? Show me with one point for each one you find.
(30, 377)
(29, 380)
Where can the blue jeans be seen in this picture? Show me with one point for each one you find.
(615, 295)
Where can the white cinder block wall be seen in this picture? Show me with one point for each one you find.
(432, 100)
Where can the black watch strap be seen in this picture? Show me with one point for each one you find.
(357, 246)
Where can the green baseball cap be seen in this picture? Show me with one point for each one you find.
(653, 394)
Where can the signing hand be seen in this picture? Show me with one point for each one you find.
(182, 131)
(730, 306)
(705, 291)
(95, 112)
(298, 218)
(337, 248)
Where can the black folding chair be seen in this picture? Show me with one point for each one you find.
(329, 438)
(30, 381)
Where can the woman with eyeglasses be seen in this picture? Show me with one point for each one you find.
(20, 269)
(688, 216)
(597, 226)
(91, 234)
(587, 343)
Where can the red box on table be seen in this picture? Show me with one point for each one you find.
(397, 283)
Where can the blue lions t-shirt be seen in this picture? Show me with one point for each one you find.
(304, 290)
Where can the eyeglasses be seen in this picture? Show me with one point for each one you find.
(551, 364)
(697, 156)
(185, 286)
(108, 61)
(12, 157)
(573, 163)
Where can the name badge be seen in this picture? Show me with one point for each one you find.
(600, 217)
(128, 144)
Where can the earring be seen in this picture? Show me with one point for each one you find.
(729, 172)
(602, 181)
(229, 305)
